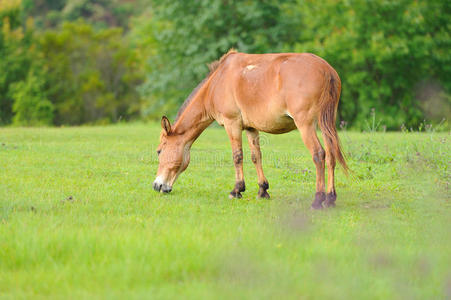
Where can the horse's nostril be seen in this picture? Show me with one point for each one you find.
(157, 186)
(166, 189)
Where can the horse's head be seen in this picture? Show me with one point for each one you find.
(173, 156)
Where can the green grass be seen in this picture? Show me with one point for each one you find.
(79, 218)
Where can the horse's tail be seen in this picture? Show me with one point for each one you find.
(327, 116)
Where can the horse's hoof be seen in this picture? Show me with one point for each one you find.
(319, 199)
(328, 204)
(263, 195)
(233, 195)
(330, 199)
(316, 206)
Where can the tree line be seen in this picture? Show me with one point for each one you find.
(71, 62)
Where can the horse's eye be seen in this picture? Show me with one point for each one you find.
(158, 152)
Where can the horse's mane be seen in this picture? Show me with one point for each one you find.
(213, 66)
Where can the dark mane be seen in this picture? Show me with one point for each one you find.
(213, 66)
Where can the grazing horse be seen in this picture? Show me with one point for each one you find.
(274, 93)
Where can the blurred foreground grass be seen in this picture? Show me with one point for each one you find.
(79, 218)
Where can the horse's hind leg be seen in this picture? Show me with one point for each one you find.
(311, 141)
(256, 155)
(234, 132)
(330, 161)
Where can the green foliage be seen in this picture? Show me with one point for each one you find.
(91, 74)
(16, 54)
(100, 65)
(382, 50)
(31, 106)
(100, 13)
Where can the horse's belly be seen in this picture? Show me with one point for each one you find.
(273, 124)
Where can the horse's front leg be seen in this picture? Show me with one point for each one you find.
(234, 132)
(256, 155)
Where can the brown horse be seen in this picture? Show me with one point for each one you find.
(274, 93)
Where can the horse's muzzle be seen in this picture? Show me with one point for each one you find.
(161, 187)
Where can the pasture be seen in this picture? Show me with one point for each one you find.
(79, 218)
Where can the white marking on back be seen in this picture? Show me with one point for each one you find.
(250, 67)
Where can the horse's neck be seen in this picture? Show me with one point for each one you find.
(194, 119)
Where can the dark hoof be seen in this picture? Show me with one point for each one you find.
(319, 199)
(263, 194)
(236, 192)
(330, 199)
(262, 191)
(233, 195)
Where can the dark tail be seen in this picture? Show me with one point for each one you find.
(327, 116)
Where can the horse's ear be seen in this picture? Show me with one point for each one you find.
(165, 124)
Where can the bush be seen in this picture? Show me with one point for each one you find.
(31, 106)
(16, 53)
(91, 74)
(384, 51)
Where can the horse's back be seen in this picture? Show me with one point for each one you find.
(262, 89)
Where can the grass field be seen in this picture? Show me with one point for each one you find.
(79, 219)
